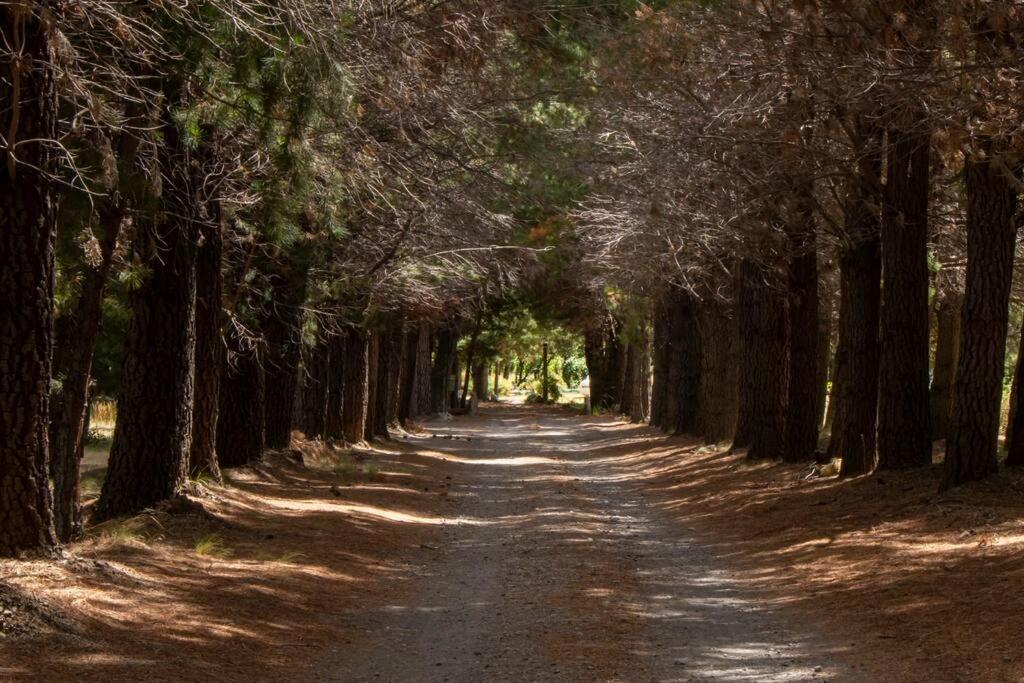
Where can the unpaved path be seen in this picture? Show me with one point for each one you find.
(551, 565)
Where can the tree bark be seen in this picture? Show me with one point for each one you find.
(356, 386)
(316, 370)
(281, 329)
(209, 342)
(947, 347)
(659, 359)
(904, 421)
(761, 422)
(441, 384)
(76, 334)
(28, 228)
(372, 382)
(639, 409)
(629, 353)
(971, 450)
(333, 425)
(802, 412)
(719, 380)
(602, 349)
(479, 385)
(240, 399)
(149, 457)
(855, 384)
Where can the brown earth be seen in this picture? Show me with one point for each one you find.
(533, 544)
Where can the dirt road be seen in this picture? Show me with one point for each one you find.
(552, 565)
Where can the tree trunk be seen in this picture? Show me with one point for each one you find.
(855, 387)
(373, 382)
(602, 348)
(719, 381)
(904, 422)
(802, 413)
(441, 385)
(149, 457)
(479, 385)
(388, 378)
(333, 425)
(629, 352)
(76, 335)
(356, 386)
(971, 450)
(316, 371)
(947, 346)
(639, 409)
(761, 422)
(824, 352)
(687, 353)
(28, 228)
(152, 440)
(659, 357)
(240, 400)
(282, 329)
(421, 396)
(209, 342)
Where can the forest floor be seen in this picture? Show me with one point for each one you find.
(534, 544)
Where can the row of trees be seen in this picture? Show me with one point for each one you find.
(811, 192)
(248, 216)
(251, 216)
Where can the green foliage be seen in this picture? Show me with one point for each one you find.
(574, 369)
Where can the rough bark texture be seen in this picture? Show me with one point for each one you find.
(333, 427)
(761, 422)
(152, 440)
(315, 372)
(203, 458)
(719, 380)
(947, 346)
(971, 450)
(28, 211)
(904, 420)
(802, 412)
(281, 329)
(149, 457)
(356, 386)
(240, 423)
